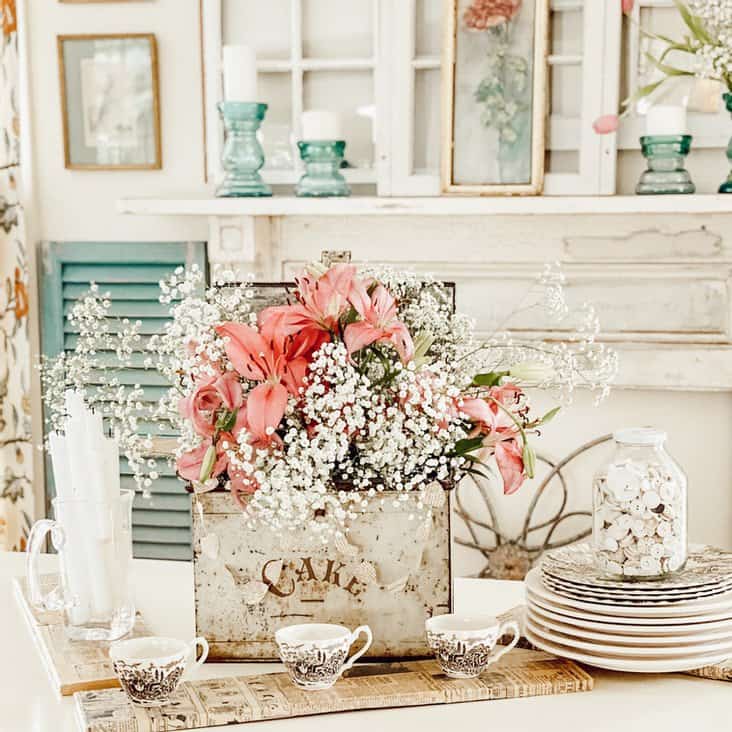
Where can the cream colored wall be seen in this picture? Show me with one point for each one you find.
(80, 205)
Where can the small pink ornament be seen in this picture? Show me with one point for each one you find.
(606, 124)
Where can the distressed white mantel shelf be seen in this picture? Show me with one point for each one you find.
(437, 206)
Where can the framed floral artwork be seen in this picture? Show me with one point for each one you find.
(494, 96)
(110, 101)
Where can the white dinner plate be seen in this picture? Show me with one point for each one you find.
(719, 604)
(633, 634)
(622, 619)
(589, 595)
(615, 663)
(678, 651)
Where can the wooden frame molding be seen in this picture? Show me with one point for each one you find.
(538, 109)
(157, 164)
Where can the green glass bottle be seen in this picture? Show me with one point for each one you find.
(665, 172)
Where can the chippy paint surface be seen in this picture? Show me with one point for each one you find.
(396, 578)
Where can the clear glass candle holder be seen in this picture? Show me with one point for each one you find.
(726, 187)
(243, 156)
(665, 173)
(322, 176)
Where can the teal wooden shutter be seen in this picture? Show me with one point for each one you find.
(130, 272)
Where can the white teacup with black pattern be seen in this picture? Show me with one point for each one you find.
(149, 669)
(316, 654)
(464, 645)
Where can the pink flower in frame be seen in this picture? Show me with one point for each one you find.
(485, 14)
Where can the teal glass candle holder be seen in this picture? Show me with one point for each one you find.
(243, 156)
(726, 187)
(322, 176)
(665, 173)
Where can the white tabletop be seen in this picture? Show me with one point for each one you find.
(619, 702)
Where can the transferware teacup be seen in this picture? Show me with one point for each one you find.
(316, 654)
(464, 644)
(150, 669)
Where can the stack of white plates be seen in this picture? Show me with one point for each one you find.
(676, 624)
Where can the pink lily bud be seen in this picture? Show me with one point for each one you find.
(627, 6)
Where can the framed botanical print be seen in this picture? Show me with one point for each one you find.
(110, 101)
(494, 76)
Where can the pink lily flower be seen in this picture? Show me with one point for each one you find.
(321, 302)
(501, 436)
(379, 323)
(260, 356)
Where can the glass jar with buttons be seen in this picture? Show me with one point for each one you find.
(639, 508)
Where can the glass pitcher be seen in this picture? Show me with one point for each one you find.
(639, 509)
(94, 543)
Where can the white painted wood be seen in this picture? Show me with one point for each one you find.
(600, 60)
(434, 206)
(237, 241)
(211, 15)
(383, 102)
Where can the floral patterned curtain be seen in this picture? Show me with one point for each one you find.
(16, 457)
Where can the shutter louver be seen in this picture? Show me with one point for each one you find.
(130, 273)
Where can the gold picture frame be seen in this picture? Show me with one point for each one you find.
(133, 137)
(526, 173)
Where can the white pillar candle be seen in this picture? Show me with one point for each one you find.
(666, 119)
(321, 124)
(240, 74)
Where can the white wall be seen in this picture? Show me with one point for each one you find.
(78, 204)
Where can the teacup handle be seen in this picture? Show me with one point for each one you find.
(508, 625)
(354, 637)
(193, 646)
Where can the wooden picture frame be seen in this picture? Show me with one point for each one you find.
(518, 172)
(129, 153)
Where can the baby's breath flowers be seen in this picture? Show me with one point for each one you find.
(364, 382)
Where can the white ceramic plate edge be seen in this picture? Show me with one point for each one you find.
(631, 652)
(630, 634)
(635, 666)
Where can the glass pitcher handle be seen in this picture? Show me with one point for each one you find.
(53, 599)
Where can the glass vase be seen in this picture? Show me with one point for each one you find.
(322, 176)
(94, 543)
(639, 509)
(726, 187)
(243, 156)
(665, 158)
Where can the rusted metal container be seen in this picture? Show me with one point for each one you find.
(392, 573)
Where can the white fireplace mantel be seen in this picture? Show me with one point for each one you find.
(657, 268)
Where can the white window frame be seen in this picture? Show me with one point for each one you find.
(709, 130)
(295, 66)
(394, 64)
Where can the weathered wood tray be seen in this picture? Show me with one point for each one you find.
(71, 665)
